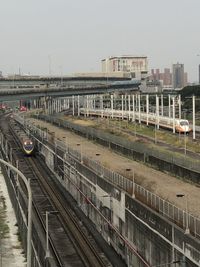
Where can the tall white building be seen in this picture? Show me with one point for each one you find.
(137, 66)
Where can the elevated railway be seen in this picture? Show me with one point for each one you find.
(70, 88)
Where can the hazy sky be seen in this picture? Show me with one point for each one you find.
(74, 35)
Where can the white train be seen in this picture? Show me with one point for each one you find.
(180, 125)
(27, 143)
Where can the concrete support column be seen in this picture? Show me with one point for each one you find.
(193, 116)
(139, 107)
(147, 108)
(133, 99)
(55, 105)
(111, 106)
(162, 112)
(58, 105)
(129, 107)
(169, 102)
(157, 111)
(65, 103)
(52, 110)
(173, 101)
(179, 105)
(78, 105)
(61, 104)
(48, 107)
(94, 102)
(73, 105)
(68, 102)
(136, 104)
(52, 106)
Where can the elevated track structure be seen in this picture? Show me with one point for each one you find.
(54, 87)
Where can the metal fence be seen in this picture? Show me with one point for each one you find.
(131, 147)
(173, 213)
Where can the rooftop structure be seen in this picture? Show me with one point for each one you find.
(136, 66)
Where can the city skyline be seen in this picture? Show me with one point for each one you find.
(63, 37)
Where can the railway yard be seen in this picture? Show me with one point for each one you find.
(72, 240)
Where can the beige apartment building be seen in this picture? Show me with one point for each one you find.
(137, 66)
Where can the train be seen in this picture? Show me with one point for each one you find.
(27, 143)
(180, 125)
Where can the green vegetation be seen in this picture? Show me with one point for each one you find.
(186, 95)
(189, 91)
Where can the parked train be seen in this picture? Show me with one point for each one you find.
(181, 125)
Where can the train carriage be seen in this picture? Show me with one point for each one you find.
(181, 125)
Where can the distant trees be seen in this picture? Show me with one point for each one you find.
(189, 91)
(186, 95)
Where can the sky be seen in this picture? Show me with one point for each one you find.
(60, 37)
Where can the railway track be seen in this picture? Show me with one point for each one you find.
(71, 224)
(70, 243)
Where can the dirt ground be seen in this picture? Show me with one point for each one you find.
(162, 184)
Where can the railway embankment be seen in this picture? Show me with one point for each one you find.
(182, 166)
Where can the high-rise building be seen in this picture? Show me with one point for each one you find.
(157, 74)
(178, 75)
(136, 65)
(167, 77)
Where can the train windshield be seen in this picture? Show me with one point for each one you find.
(184, 123)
